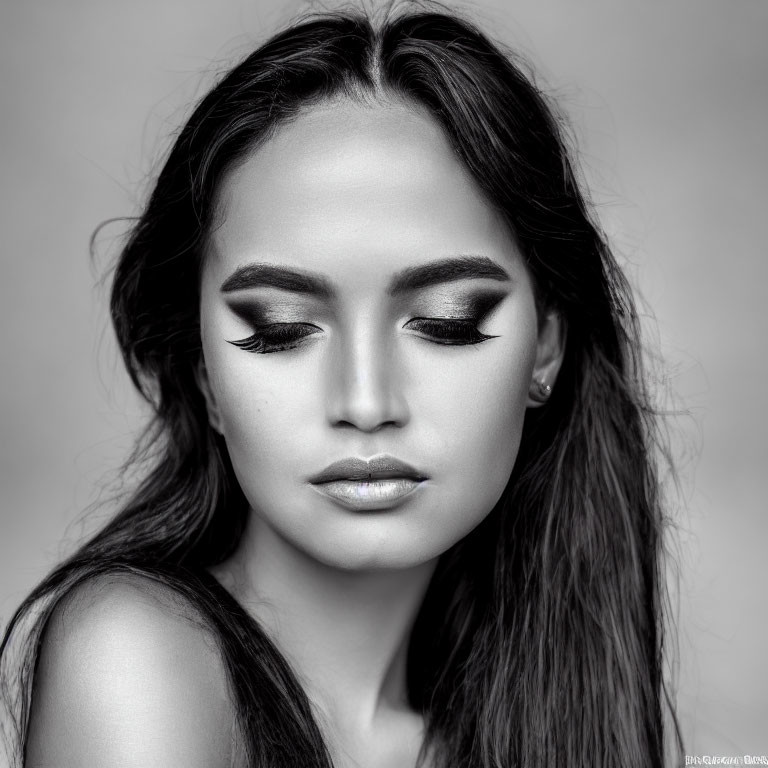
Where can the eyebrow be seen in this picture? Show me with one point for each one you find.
(273, 276)
(447, 271)
(410, 279)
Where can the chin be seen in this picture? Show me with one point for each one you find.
(372, 562)
(393, 546)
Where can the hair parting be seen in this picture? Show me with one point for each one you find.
(540, 639)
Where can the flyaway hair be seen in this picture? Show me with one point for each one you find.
(539, 643)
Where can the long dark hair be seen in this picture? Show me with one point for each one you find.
(539, 642)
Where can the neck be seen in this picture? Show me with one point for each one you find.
(345, 633)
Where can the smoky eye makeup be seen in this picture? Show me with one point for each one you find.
(454, 319)
(259, 313)
(471, 306)
(451, 319)
(277, 327)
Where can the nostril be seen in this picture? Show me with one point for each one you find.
(361, 425)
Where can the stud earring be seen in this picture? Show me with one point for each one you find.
(540, 391)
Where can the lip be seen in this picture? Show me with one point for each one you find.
(381, 482)
(375, 468)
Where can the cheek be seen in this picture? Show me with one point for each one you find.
(262, 408)
(477, 410)
(257, 414)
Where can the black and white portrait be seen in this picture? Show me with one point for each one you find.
(382, 384)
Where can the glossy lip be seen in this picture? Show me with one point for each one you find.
(374, 468)
(381, 482)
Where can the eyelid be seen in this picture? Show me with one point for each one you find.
(276, 337)
(449, 331)
(475, 307)
(257, 313)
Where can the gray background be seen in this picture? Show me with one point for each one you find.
(668, 101)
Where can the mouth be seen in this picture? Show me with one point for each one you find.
(379, 483)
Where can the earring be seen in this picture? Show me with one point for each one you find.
(540, 391)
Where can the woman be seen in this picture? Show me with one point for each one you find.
(401, 506)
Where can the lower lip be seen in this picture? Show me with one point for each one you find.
(373, 494)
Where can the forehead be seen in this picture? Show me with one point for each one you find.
(349, 184)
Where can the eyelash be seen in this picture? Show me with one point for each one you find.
(280, 337)
(457, 331)
(276, 337)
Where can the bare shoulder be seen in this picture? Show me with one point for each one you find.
(128, 675)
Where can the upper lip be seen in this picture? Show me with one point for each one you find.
(376, 468)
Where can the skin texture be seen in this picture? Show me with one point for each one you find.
(127, 678)
(357, 193)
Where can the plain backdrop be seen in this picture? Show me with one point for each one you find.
(669, 106)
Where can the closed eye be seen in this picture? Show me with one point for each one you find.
(449, 330)
(276, 337)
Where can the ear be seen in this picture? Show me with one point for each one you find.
(550, 348)
(201, 376)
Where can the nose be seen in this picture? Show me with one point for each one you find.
(364, 388)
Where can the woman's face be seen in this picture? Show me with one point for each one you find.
(362, 303)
